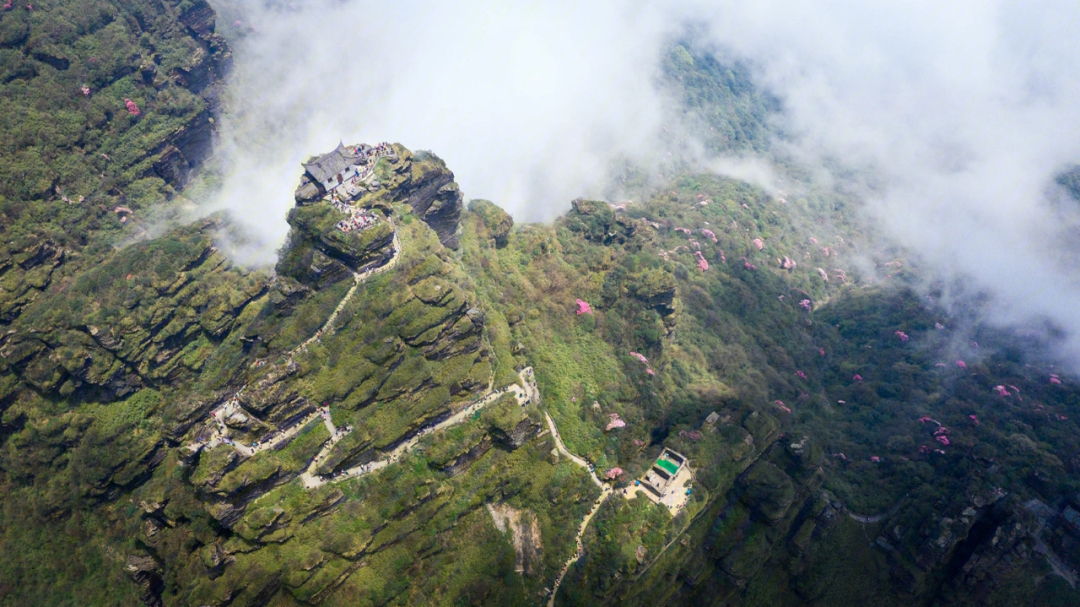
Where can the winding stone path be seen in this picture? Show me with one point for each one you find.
(232, 406)
(606, 492)
(521, 394)
(358, 279)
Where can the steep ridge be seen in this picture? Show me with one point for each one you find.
(78, 166)
(177, 430)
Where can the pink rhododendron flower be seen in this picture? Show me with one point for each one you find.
(613, 473)
(813, 240)
(805, 304)
(583, 307)
(640, 357)
(941, 438)
(961, 364)
(85, 90)
(903, 336)
(759, 243)
(974, 419)
(875, 459)
(615, 422)
(1001, 390)
(683, 230)
(788, 263)
(131, 107)
(856, 377)
(800, 374)
(823, 275)
(924, 449)
(709, 234)
(702, 264)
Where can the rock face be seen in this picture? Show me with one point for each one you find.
(423, 181)
(319, 254)
(597, 222)
(497, 221)
(167, 57)
(516, 436)
(172, 296)
(190, 145)
(146, 572)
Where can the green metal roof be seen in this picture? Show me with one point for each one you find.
(671, 467)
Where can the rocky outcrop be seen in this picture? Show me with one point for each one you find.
(185, 150)
(497, 221)
(517, 436)
(434, 196)
(597, 222)
(462, 462)
(657, 289)
(147, 573)
(173, 292)
(200, 20)
(320, 254)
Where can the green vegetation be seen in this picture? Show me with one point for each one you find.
(810, 485)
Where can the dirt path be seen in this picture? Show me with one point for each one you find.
(606, 492)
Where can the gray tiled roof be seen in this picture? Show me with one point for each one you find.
(329, 165)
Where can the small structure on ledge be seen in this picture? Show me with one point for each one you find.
(667, 482)
(343, 166)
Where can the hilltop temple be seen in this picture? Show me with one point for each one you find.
(323, 174)
(331, 170)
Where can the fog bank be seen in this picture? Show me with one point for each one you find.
(961, 114)
(527, 104)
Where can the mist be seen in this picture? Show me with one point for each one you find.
(961, 115)
(958, 116)
(528, 105)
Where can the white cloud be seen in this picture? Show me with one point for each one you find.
(963, 111)
(527, 103)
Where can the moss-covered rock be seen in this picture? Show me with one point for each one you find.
(497, 221)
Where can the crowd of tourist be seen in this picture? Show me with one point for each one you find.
(357, 220)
